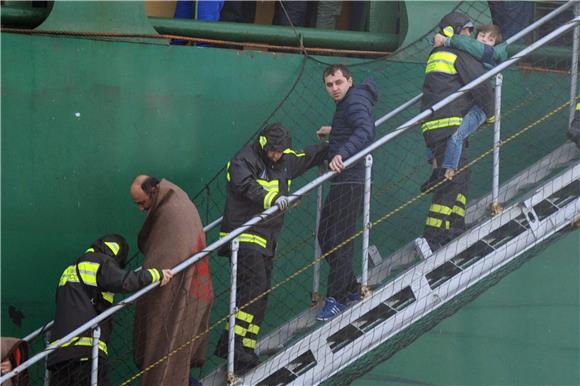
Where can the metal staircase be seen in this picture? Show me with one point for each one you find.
(541, 200)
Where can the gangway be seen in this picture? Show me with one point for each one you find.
(490, 244)
(420, 291)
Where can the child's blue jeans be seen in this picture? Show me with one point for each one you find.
(471, 121)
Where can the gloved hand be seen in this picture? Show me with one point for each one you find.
(282, 202)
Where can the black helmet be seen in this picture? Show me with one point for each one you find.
(453, 23)
(275, 137)
(113, 245)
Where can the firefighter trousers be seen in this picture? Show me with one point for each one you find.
(253, 279)
(446, 217)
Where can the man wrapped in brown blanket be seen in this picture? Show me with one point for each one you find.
(177, 314)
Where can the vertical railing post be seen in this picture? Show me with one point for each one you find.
(317, 252)
(495, 205)
(46, 372)
(95, 356)
(365, 291)
(574, 66)
(233, 310)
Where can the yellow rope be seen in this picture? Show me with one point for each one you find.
(346, 241)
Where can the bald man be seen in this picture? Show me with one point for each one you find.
(143, 190)
(178, 314)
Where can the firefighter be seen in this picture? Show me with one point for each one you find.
(258, 177)
(447, 71)
(86, 289)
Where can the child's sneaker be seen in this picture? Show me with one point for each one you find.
(331, 309)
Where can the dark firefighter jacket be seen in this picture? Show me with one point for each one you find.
(254, 183)
(353, 128)
(447, 71)
(77, 303)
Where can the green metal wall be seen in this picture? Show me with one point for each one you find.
(81, 118)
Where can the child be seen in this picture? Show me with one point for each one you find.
(484, 49)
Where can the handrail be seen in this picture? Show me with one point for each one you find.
(300, 192)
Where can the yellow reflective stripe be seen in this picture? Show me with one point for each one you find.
(289, 184)
(441, 61)
(69, 274)
(254, 329)
(447, 224)
(268, 185)
(155, 276)
(459, 211)
(238, 330)
(250, 343)
(434, 222)
(249, 238)
(439, 123)
(436, 208)
(244, 316)
(577, 106)
(108, 296)
(90, 250)
(269, 198)
(290, 151)
(263, 141)
(84, 341)
(88, 271)
(461, 198)
(272, 187)
(228, 172)
(113, 247)
(448, 31)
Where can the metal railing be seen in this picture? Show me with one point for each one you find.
(495, 72)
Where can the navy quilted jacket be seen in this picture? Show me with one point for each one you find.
(353, 128)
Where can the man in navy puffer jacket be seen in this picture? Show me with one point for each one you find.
(352, 130)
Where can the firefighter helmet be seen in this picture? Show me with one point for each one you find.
(453, 23)
(113, 245)
(275, 137)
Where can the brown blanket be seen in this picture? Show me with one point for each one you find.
(168, 317)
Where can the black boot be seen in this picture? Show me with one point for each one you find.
(244, 358)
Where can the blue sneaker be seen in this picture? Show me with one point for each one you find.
(331, 309)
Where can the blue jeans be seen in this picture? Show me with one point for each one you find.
(471, 121)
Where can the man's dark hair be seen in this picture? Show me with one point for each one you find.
(149, 186)
(332, 69)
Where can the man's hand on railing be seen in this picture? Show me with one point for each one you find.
(167, 276)
(323, 132)
(336, 165)
(5, 367)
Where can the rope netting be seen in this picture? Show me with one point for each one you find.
(534, 119)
